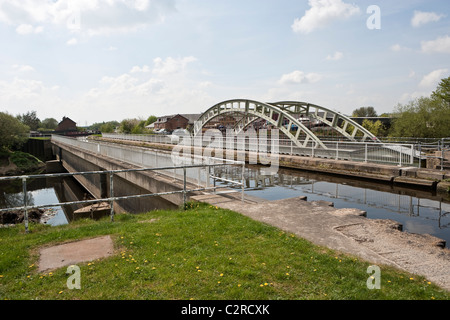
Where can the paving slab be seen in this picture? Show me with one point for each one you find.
(75, 252)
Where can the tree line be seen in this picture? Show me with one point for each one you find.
(424, 117)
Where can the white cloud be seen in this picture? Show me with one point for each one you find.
(22, 68)
(420, 18)
(297, 77)
(323, 12)
(171, 65)
(440, 45)
(432, 79)
(336, 56)
(90, 17)
(24, 29)
(72, 42)
(397, 48)
(21, 94)
(137, 69)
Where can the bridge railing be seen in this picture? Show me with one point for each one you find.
(402, 154)
(207, 166)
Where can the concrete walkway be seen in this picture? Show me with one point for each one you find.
(348, 231)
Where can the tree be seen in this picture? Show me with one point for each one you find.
(422, 118)
(13, 133)
(442, 91)
(150, 120)
(108, 127)
(364, 112)
(376, 128)
(30, 119)
(49, 124)
(127, 125)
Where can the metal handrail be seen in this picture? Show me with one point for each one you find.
(113, 198)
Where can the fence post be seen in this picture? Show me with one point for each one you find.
(243, 180)
(111, 194)
(25, 202)
(411, 161)
(184, 188)
(420, 155)
(337, 150)
(400, 154)
(365, 152)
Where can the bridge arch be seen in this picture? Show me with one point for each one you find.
(276, 114)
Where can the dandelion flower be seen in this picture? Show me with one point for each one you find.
(60, 292)
(221, 274)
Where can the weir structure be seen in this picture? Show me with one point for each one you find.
(288, 117)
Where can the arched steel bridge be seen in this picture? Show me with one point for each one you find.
(285, 112)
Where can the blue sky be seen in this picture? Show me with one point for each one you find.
(102, 60)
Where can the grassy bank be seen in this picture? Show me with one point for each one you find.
(200, 253)
(18, 162)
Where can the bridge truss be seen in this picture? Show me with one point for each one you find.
(284, 115)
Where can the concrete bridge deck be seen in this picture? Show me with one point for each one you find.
(348, 231)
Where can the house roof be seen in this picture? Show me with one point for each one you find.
(191, 117)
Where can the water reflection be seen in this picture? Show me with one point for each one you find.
(44, 191)
(420, 211)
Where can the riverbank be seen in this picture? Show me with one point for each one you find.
(15, 163)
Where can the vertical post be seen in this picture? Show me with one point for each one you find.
(337, 150)
(243, 180)
(214, 176)
(25, 202)
(411, 160)
(184, 188)
(400, 163)
(292, 146)
(365, 152)
(111, 194)
(420, 155)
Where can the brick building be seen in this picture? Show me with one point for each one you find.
(177, 121)
(66, 125)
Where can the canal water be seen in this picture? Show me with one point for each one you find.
(419, 211)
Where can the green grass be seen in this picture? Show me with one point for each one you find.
(201, 253)
(24, 161)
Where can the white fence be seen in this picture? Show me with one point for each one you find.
(200, 173)
(389, 153)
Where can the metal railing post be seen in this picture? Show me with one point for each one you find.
(365, 153)
(184, 188)
(420, 155)
(337, 150)
(25, 202)
(243, 180)
(111, 194)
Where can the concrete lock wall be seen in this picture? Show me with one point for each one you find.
(125, 184)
